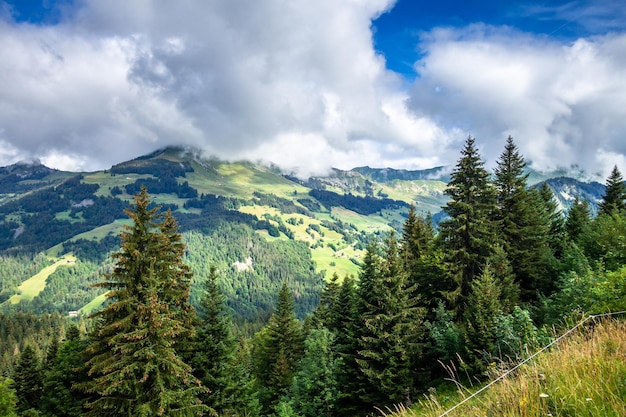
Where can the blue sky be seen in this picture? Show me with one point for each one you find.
(309, 85)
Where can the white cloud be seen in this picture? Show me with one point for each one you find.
(564, 104)
(297, 83)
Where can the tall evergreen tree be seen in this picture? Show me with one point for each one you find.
(215, 352)
(347, 330)
(28, 380)
(314, 391)
(483, 307)
(468, 235)
(614, 197)
(392, 323)
(523, 232)
(66, 371)
(578, 220)
(278, 348)
(555, 219)
(134, 364)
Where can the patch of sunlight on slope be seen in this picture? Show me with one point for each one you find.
(31, 288)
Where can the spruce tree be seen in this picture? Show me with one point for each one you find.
(215, 349)
(66, 371)
(422, 261)
(314, 391)
(578, 220)
(468, 235)
(484, 306)
(28, 380)
(134, 364)
(614, 197)
(347, 330)
(392, 327)
(523, 232)
(278, 348)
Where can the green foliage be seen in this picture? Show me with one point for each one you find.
(314, 391)
(605, 240)
(614, 198)
(8, 399)
(216, 362)
(277, 349)
(522, 225)
(468, 236)
(66, 370)
(483, 307)
(134, 362)
(28, 380)
(392, 327)
(578, 220)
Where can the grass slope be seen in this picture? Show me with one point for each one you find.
(583, 376)
(30, 288)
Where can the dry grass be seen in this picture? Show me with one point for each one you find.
(584, 375)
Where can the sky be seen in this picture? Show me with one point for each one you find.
(314, 84)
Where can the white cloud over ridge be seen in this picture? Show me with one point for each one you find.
(564, 104)
(299, 84)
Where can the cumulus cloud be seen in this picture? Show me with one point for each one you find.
(565, 104)
(299, 84)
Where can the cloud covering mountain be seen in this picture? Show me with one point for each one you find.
(301, 84)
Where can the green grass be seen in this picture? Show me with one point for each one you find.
(583, 376)
(241, 179)
(93, 305)
(106, 181)
(31, 288)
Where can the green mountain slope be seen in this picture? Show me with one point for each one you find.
(259, 226)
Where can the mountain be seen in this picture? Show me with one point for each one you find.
(257, 225)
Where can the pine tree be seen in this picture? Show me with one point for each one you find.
(483, 307)
(314, 391)
(392, 327)
(28, 380)
(278, 348)
(422, 261)
(326, 312)
(347, 330)
(523, 232)
(615, 194)
(134, 364)
(578, 220)
(554, 217)
(468, 236)
(67, 370)
(215, 349)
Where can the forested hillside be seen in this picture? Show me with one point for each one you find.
(272, 296)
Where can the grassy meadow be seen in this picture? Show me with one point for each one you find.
(583, 375)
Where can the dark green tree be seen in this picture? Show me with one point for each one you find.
(614, 197)
(392, 327)
(314, 391)
(523, 232)
(66, 371)
(578, 220)
(422, 261)
(28, 380)
(133, 362)
(327, 312)
(468, 235)
(347, 330)
(278, 347)
(215, 360)
(484, 307)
